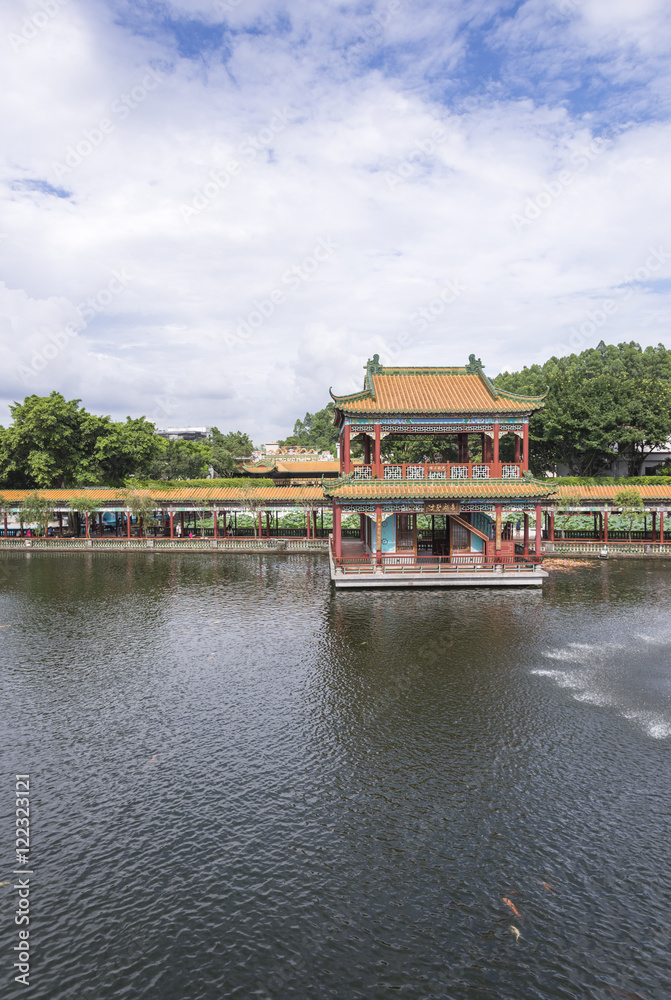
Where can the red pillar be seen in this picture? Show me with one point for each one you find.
(539, 531)
(525, 456)
(172, 524)
(654, 524)
(605, 526)
(552, 526)
(517, 447)
(214, 523)
(314, 523)
(337, 531)
(462, 447)
(378, 533)
(526, 533)
(307, 523)
(377, 459)
(86, 523)
(346, 443)
(366, 449)
(661, 525)
(260, 528)
(495, 457)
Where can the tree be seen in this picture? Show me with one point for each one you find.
(315, 431)
(226, 449)
(419, 448)
(53, 442)
(251, 500)
(36, 509)
(631, 506)
(122, 450)
(179, 460)
(141, 505)
(43, 447)
(607, 402)
(84, 507)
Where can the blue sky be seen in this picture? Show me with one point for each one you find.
(213, 210)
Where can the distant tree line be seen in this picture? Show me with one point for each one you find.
(315, 432)
(53, 442)
(605, 403)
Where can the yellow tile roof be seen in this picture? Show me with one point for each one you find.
(605, 493)
(399, 489)
(294, 468)
(272, 494)
(415, 391)
(369, 489)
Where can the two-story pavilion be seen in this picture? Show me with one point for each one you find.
(484, 441)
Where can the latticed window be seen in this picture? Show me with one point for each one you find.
(458, 472)
(415, 471)
(480, 472)
(393, 472)
(460, 537)
(510, 472)
(363, 472)
(437, 474)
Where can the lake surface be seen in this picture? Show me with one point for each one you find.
(246, 785)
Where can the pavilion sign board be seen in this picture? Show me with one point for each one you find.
(441, 507)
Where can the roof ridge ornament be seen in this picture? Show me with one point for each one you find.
(374, 367)
(474, 366)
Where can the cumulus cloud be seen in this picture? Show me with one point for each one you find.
(228, 207)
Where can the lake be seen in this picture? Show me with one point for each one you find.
(243, 784)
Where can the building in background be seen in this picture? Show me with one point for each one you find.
(184, 433)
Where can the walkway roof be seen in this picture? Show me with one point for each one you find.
(348, 489)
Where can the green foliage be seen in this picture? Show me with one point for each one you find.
(123, 449)
(226, 449)
(141, 506)
(212, 484)
(36, 510)
(179, 460)
(607, 402)
(631, 504)
(53, 442)
(315, 431)
(419, 448)
(46, 442)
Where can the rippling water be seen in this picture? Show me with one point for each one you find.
(246, 785)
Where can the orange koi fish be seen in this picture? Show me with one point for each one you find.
(512, 906)
(548, 887)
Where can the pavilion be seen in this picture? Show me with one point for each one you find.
(484, 429)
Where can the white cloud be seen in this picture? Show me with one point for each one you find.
(349, 160)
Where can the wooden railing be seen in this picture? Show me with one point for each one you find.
(184, 544)
(399, 562)
(440, 470)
